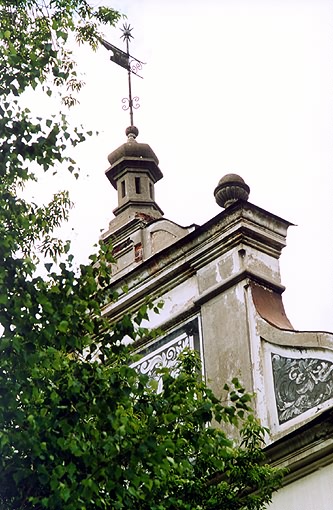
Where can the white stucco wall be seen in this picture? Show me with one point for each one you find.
(313, 492)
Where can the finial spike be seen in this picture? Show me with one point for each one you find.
(126, 30)
(127, 61)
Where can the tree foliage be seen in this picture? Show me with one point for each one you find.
(79, 428)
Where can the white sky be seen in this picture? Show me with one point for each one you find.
(229, 86)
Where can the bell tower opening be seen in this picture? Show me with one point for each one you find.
(138, 185)
(123, 189)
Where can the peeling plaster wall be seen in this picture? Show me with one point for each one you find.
(176, 302)
(262, 263)
(226, 339)
(227, 274)
(205, 273)
(224, 277)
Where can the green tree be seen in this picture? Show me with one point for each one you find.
(79, 428)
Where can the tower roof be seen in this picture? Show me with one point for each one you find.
(133, 155)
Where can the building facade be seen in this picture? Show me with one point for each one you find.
(221, 289)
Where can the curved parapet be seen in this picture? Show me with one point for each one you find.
(162, 233)
(292, 370)
(269, 305)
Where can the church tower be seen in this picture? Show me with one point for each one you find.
(133, 173)
(139, 228)
(221, 289)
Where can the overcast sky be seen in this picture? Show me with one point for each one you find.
(229, 86)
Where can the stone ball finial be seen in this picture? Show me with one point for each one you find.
(230, 189)
(132, 132)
